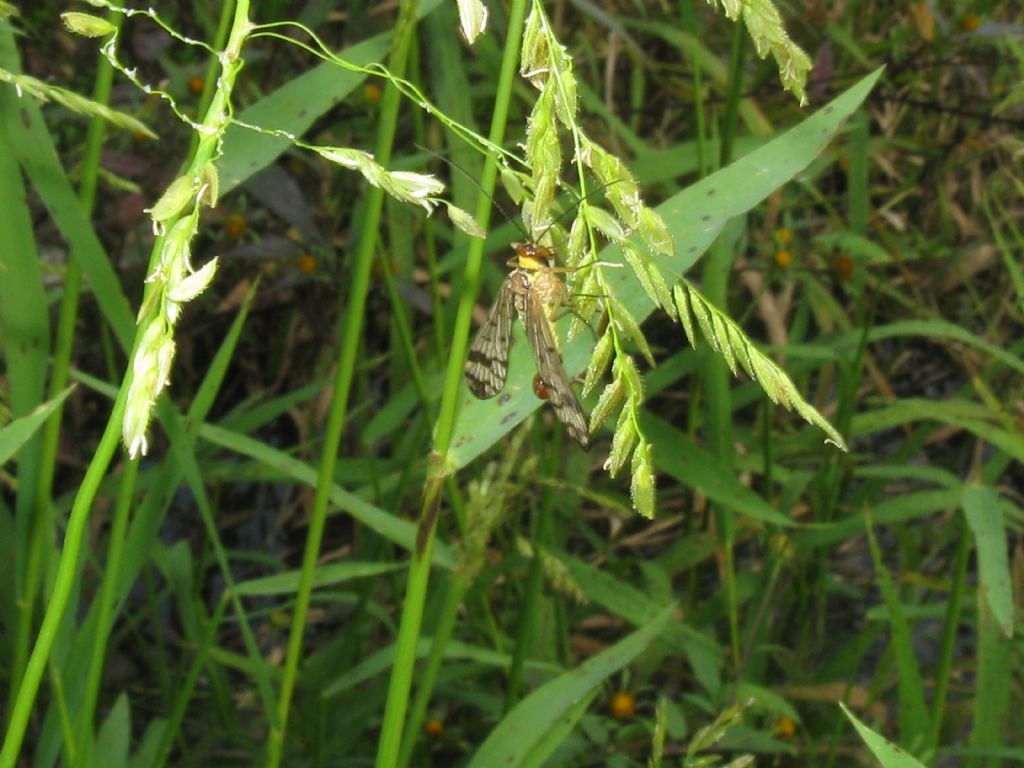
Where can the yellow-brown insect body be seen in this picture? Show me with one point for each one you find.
(535, 280)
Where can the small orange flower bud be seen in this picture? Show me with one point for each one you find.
(784, 727)
(235, 225)
(783, 258)
(970, 22)
(623, 705)
(305, 263)
(195, 84)
(433, 727)
(371, 92)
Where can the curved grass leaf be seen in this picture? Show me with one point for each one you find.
(992, 713)
(899, 509)
(115, 736)
(985, 518)
(960, 413)
(31, 144)
(637, 606)
(913, 713)
(327, 575)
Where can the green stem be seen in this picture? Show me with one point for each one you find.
(949, 639)
(688, 15)
(717, 385)
(185, 687)
(405, 338)
(107, 598)
(734, 90)
(408, 636)
(353, 334)
(458, 584)
(527, 623)
(419, 570)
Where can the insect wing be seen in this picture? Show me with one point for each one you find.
(487, 364)
(552, 372)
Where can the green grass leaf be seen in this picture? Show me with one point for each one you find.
(984, 516)
(20, 431)
(888, 754)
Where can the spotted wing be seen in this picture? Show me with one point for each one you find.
(552, 373)
(487, 364)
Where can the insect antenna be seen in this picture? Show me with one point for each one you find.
(471, 178)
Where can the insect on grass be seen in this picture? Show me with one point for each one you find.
(533, 291)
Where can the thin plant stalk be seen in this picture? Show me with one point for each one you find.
(458, 584)
(406, 344)
(184, 689)
(353, 333)
(107, 598)
(690, 24)
(527, 623)
(419, 569)
(716, 375)
(947, 651)
(733, 94)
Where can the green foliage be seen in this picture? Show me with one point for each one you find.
(332, 553)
